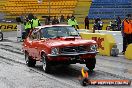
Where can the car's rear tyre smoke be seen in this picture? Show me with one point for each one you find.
(46, 64)
(30, 62)
(90, 64)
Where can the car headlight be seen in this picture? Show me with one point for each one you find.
(93, 47)
(54, 51)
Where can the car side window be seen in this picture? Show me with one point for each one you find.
(35, 35)
(38, 35)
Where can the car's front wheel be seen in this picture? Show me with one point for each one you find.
(46, 64)
(90, 64)
(30, 62)
(1, 36)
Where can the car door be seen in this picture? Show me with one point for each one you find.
(29, 46)
(31, 41)
(36, 44)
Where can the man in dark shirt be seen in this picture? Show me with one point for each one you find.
(55, 21)
(62, 18)
(86, 22)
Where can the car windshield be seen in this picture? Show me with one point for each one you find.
(58, 31)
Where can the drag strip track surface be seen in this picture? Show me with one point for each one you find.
(61, 77)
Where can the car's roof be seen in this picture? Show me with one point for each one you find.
(44, 26)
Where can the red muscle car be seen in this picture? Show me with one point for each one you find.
(58, 44)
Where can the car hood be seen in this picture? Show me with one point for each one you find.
(68, 42)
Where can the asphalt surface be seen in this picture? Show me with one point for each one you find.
(15, 74)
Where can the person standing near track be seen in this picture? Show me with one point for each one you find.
(126, 32)
(28, 26)
(118, 20)
(86, 21)
(55, 20)
(35, 22)
(62, 19)
(73, 22)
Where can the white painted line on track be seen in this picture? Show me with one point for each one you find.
(120, 43)
(114, 34)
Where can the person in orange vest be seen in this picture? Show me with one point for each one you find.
(126, 32)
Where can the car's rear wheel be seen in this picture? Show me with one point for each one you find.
(90, 64)
(46, 64)
(1, 36)
(30, 62)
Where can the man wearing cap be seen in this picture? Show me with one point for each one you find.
(126, 32)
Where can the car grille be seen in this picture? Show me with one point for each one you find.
(73, 49)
